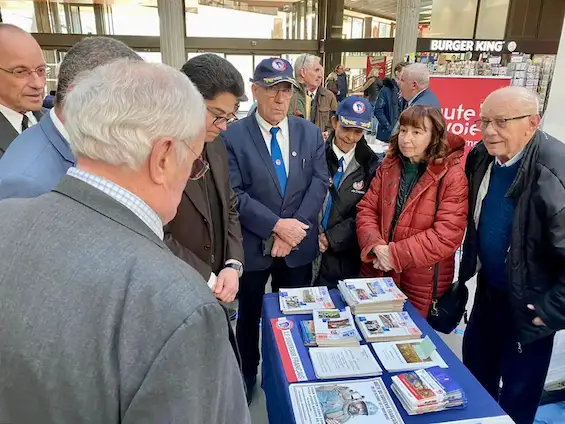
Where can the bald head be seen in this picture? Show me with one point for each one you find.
(20, 90)
(509, 120)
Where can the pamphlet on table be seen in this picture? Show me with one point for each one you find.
(387, 327)
(334, 327)
(372, 295)
(408, 355)
(351, 401)
(304, 300)
(308, 332)
(430, 390)
(344, 362)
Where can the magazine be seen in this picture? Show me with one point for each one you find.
(408, 355)
(351, 401)
(334, 327)
(385, 327)
(372, 295)
(304, 300)
(344, 362)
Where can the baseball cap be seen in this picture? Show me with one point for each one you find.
(273, 71)
(355, 112)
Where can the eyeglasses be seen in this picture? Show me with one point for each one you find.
(22, 73)
(221, 120)
(273, 90)
(199, 167)
(499, 123)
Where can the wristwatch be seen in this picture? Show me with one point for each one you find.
(237, 267)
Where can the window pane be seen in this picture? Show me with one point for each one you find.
(452, 19)
(491, 24)
(244, 64)
(134, 19)
(19, 13)
(151, 57)
(252, 19)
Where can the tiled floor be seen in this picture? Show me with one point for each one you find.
(453, 340)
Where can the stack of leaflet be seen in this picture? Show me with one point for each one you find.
(334, 327)
(372, 295)
(387, 327)
(344, 362)
(430, 390)
(408, 355)
(304, 300)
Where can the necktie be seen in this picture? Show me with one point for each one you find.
(25, 122)
(336, 179)
(277, 157)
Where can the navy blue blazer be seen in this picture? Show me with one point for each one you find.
(260, 199)
(426, 98)
(35, 162)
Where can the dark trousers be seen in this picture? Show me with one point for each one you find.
(251, 291)
(492, 353)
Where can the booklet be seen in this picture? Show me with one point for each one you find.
(308, 332)
(335, 327)
(372, 295)
(304, 300)
(351, 401)
(344, 362)
(408, 355)
(387, 327)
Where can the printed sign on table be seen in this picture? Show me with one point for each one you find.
(461, 98)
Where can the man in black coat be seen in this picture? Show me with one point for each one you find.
(516, 242)
(352, 165)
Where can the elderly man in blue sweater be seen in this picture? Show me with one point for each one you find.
(516, 242)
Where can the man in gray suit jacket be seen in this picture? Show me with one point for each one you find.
(100, 323)
(39, 157)
(23, 74)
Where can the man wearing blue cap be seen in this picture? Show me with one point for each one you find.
(279, 174)
(352, 165)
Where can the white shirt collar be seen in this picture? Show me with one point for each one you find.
(58, 124)
(16, 118)
(511, 161)
(347, 157)
(312, 93)
(125, 197)
(417, 94)
(266, 127)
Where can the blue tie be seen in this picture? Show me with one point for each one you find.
(278, 162)
(335, 182)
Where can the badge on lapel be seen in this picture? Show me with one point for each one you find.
(358, 187)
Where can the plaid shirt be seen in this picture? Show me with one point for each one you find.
(123, 196)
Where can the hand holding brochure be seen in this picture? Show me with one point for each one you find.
(344, 362)
(408, 355)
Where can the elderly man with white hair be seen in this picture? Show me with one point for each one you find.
(99, 321)
(414, 85)
(312, 101)
(516, 242)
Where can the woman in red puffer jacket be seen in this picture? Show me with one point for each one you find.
(400, 232)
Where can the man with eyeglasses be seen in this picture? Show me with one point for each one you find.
(206, 232)
(516, 242)
(36, 160)
(279, 173)
(23, 75)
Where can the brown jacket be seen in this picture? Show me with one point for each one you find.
(322, 110)
(189, 234)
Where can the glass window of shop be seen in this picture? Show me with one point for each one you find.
(285, 20)
(491, 23)
(87, 17)
(448, 18)
(356, 63)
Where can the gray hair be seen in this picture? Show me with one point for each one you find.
(304, 61)
(116, 112)
(86, 55)
(417, 72)
(526, 99)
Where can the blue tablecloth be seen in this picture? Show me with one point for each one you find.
(275, 384)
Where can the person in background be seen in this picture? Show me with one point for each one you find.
(352, 164)
(331, 83)
(206, 232)
(37, 159)
(342, 83)
(23, 74)
(515, 240)
(279, 174)
(372, 87)
(312, 101)
(104, 324)
(412, 219)
(388, 105)
(414, 86)
(49, 100)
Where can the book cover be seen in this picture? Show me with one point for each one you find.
(308, 333)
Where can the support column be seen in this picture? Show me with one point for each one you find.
(368, 27)
(334, 29)
(407, 18)
(172, 32)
